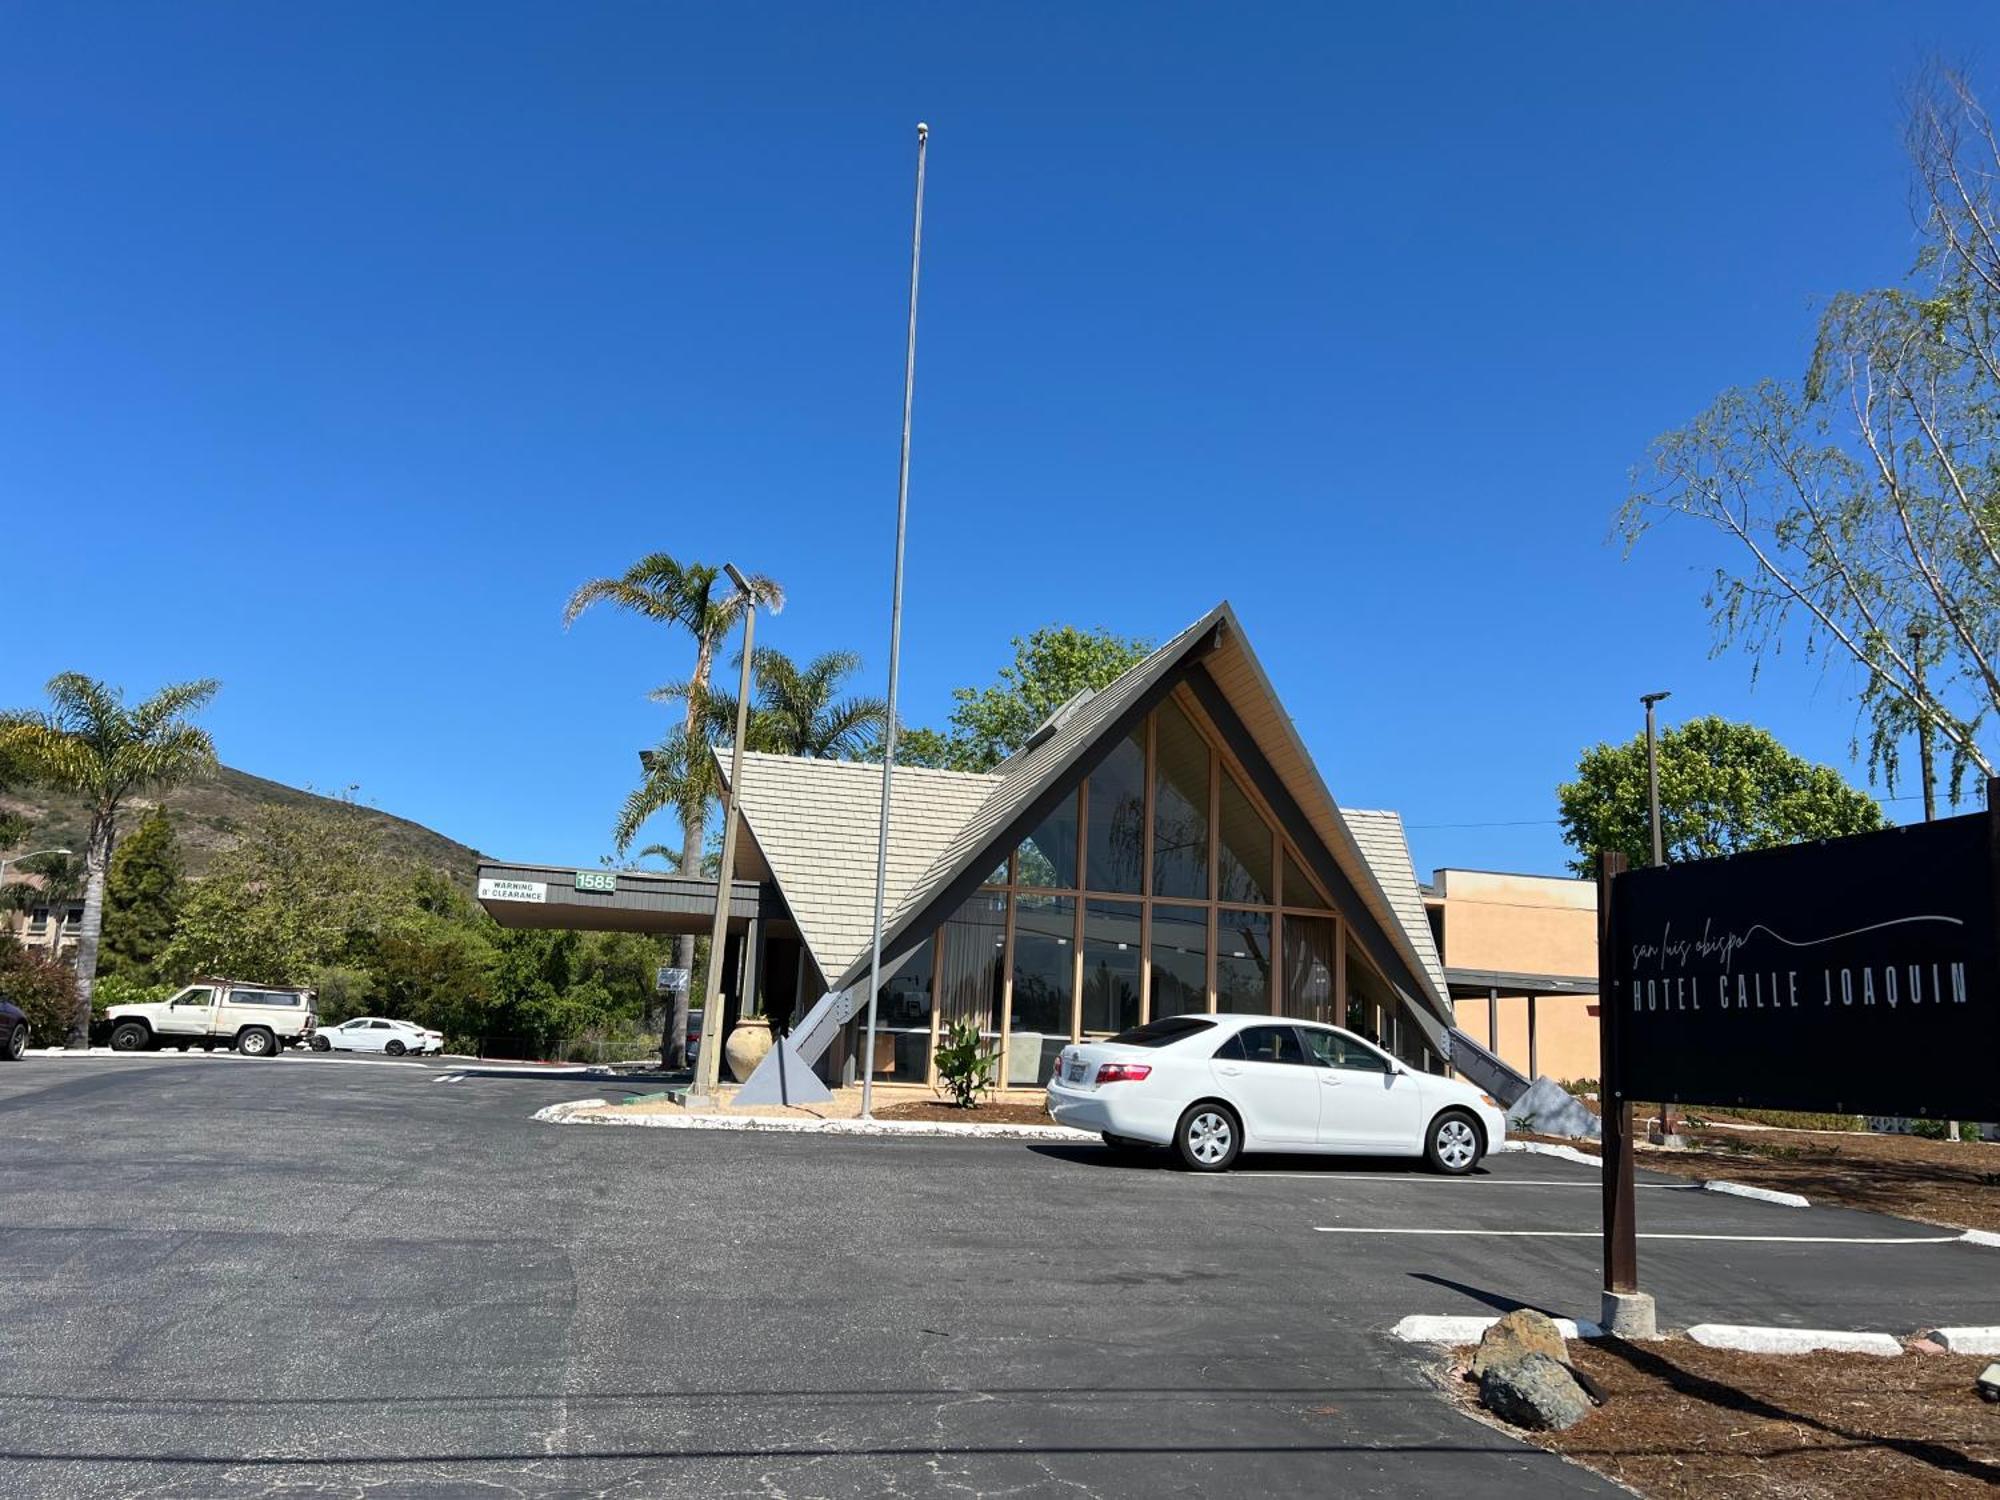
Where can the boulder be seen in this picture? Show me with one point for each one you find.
(1547, 1108)
(1534, 1391)
(1521, 1333)
(1989, 1383)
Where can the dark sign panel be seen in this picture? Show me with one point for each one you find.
(1855, 975)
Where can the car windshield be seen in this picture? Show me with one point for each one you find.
(1163, 1032)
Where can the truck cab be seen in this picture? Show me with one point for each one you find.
(258, 1020)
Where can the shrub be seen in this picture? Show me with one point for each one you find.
(965, 1066)
(43, 987)
(120, 989)
(1928, 1130)
(1968, 1130)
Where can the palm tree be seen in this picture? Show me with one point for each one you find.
(60, 881)
(700, 600)
(90, 744)
(800, 713)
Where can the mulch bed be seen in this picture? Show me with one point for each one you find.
(991, 1113)
(1687, 1421)
(1951, 1183)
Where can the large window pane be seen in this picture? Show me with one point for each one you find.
(1180, 959)
(974, 945)
(1308, 975)
(1044, 951)
(1243, 961)
(1047, 857)
(1246, 848)
(1300, 891)
(1117, 818)
(1111, 940)
(904, 1013)
(1180, 807)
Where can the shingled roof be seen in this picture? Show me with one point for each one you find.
(814, 823)
(1387, 850)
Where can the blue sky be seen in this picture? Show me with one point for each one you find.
(338, 343)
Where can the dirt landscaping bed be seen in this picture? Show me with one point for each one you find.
(995, 1112)
(1951, 1183)
(1685, 1421)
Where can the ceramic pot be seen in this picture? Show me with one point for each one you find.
(746, 1047)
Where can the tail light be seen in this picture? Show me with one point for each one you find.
(1122, 1072)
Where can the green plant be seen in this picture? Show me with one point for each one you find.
(121, 989)
(1928, 1130)
(44, 988)
(965, 1065)
(1968, 1130)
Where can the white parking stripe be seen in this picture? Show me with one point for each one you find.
(1335, 1180)
(1593, 1234)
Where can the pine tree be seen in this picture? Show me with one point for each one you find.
(142, 901)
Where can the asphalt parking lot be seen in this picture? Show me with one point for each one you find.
(335, 1276)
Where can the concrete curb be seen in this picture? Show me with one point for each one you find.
(1762, 1195)
(1563, 1153)
(1423, 1328)
(1794, 1340)
(571, 1113)
(1984, 1341)
(1981, 1237)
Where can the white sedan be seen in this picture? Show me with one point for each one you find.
(376, 1034)
(1211, 1087)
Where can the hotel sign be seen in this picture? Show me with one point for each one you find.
(1856, 975)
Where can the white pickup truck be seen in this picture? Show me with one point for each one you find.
(258, 1020)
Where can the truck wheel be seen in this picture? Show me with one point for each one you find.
(130, 1036)
(257, 1042)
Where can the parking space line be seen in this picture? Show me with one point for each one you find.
(1592, 1234)
(1457, 1182)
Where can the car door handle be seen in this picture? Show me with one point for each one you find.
(1330, 1080)
(1225, 1068)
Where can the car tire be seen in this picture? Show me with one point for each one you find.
(17, 1042)
(130, 1036)
(257, 1042)
(1208, 1138)
(320, 1044)
(1452, 1145)
(394, 1048)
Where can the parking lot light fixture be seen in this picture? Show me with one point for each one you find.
(6, 860)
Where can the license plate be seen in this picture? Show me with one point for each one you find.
(1076, 1070)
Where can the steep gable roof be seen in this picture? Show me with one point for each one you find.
(1384, 845)
(815, 821)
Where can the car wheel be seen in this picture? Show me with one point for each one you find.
(1453, 1144)
(130, 1036)
(180, 1046)
(395, 1048)
(1208, 1138)
(321, 1044)
(257, 1042)
(17, 1042)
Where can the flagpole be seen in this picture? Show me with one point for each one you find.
(895, 641)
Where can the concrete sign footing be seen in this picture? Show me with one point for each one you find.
(1629, 1315)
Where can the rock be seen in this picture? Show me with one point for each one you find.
(1534, 1391)
(1989, 1383)
(1522, 1332)
(1924, 1345)
(1549, 1109)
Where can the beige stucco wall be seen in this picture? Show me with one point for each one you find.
(1525, 924)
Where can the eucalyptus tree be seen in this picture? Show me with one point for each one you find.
(1861, 502)
(90, 743)
(700, 601)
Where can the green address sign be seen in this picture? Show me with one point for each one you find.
(597, 880)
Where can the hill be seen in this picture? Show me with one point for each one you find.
(210, 815)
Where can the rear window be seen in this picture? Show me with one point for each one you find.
(1163, 1032)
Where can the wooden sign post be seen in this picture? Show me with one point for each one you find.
(1627, 1311)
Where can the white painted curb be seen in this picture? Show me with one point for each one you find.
(1793, 1340)
(1984, 1341)
(571, 1114)
(1421, 1328)
(1762, 1195)
(1565, 1153)
(1981, 1237)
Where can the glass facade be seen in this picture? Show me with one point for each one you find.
(1161, 887)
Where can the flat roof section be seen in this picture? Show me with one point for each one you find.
(564, 896)
(1477, 984)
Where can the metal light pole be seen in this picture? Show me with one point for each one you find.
(895, 639)
(708, 1064)
(6, 860)
(1659, 848)
(1653, 775)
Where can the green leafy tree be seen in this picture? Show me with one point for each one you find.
(1860, 503)
(88, 742)
(307, 888)
(679, 774)
(1052, 666)
(142, 902)
(1724, 788)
